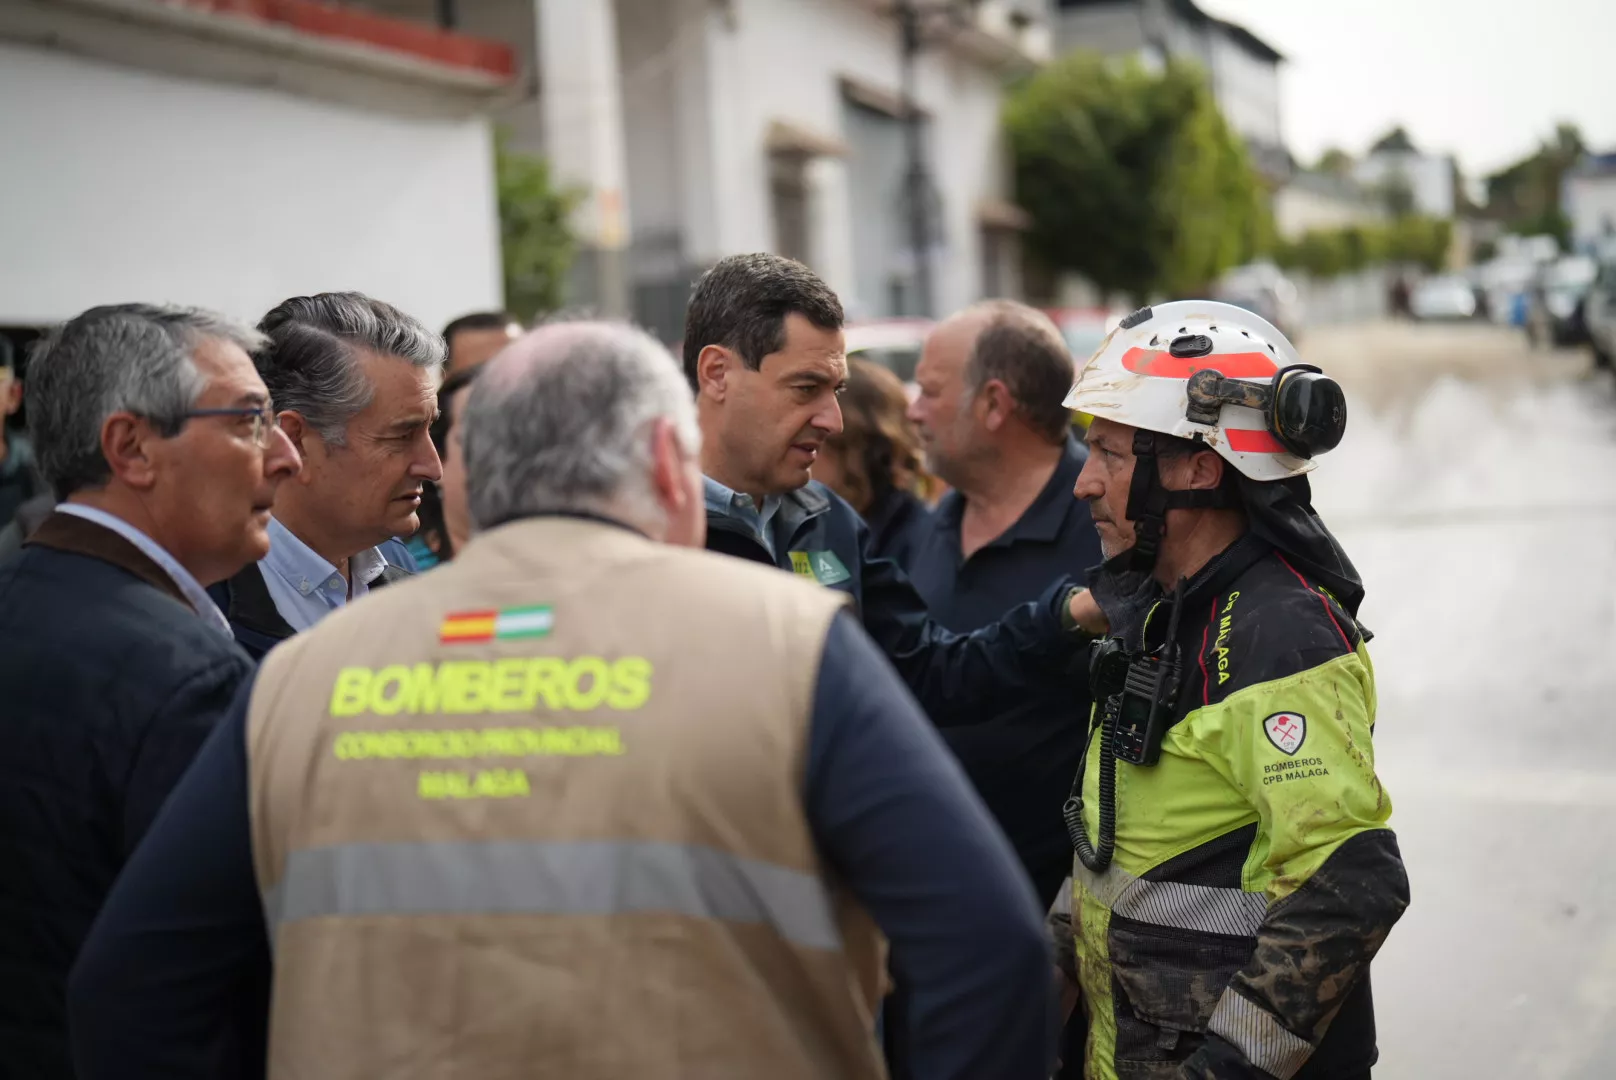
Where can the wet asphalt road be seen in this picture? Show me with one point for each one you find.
(1476, 491)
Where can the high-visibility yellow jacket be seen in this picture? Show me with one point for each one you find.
(1255, 874)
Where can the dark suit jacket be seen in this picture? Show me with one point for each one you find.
(247, 603)
(109, 682)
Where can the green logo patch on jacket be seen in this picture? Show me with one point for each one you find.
(821, 566)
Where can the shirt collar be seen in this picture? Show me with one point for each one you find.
(730, 503)
(1044, 519)
(189, 587)
(305, 570)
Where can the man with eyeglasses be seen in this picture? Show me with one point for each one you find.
(156, 432)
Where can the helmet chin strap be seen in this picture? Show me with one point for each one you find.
(1149, 501)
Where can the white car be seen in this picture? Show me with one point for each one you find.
(1443, 298)
(895, 344)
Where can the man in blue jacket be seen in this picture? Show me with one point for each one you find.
(764, 352)
(155, 431)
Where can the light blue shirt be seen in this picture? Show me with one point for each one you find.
(742, 508)
(304, 586)
(189, 587)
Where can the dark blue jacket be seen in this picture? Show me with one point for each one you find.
(247, 603)
(1023, 758)
(899, 523)
(109, 683)
(958, 678)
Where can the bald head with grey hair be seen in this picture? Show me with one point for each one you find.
(568, 420)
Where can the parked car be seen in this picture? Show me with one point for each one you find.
(895, 344)
(1554, 302)
(1445, 297)
(1084, 328)
(1599, 311)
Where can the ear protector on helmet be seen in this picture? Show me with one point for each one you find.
(1303, 407)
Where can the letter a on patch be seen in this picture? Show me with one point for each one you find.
(1286, 730)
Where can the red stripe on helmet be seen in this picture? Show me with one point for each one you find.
(1253, 441)
(1163, 364)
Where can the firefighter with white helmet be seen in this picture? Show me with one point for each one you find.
(1235, 871)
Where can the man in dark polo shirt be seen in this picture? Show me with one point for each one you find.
(990, 386)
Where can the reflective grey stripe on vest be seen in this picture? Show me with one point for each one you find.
(1170, 903)
(1260, 1037)
(551, 878)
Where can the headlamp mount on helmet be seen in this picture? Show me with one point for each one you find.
(1303, 407)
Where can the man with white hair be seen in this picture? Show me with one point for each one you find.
(521, 814)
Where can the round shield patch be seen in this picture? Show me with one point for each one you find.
(1286, 730)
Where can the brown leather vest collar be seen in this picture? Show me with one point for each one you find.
(78, 536)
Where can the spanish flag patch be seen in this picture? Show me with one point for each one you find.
(517, 622)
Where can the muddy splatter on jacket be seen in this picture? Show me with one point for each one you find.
(1255, 874)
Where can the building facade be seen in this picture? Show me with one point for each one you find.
(1242, 69)
(1311, 201)
(232, 153)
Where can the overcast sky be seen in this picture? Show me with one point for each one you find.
(1482, 81)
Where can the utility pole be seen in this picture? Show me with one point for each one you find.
(917, 185)
(917, 176)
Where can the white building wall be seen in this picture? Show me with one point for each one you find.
(123, 185)
(1429, 176)
(1590, 203)
(783, 60)
(1299, 209)
(1247, 90)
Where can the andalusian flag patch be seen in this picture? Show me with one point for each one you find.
(516, 622)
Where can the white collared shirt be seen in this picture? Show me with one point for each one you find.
(189, 587)
(304, 586)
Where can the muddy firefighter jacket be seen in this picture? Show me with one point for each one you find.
(1255, 874)
(575, 805)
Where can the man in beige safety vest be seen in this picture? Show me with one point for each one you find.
(584, 803)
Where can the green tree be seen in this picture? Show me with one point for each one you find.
(1133, 178)
(1525, 196)
(1335, 161)
(536, 239)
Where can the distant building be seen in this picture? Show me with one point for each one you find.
(1320, 201)
(1427, 180)
(700, 128)
(1243, 69)
(1588, 197)
(232, 154)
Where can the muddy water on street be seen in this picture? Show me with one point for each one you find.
(1476, 491)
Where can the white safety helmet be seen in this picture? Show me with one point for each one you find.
(1217, 373)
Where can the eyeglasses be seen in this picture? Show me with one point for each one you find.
(262, 416)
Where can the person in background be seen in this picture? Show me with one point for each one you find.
(354, 382)
(634, 870)
(473, 340)
(157, 433)
(994, 430)
(993, 427)
(874, 463)
(21, 484)
(445, 520)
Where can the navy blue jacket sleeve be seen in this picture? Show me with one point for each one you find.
(173, 981)
(896, 818)
(171, 736)
(964, 678)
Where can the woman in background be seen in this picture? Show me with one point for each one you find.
(445, 520)
(875, 463)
